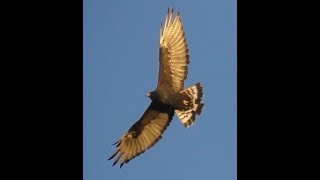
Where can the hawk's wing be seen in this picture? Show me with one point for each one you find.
(144, 133)
(173, 54)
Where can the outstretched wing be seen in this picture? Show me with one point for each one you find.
(144, 133)
(173, 54)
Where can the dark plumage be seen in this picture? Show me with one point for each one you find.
(170, 95)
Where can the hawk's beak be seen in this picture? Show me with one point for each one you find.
(148, 94)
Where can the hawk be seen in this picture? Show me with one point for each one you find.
(168, 98)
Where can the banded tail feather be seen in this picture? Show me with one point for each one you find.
(188, 117)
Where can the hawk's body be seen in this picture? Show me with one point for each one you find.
(169, 96)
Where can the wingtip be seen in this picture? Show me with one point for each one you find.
(115, 143)
(171, 11)
(114, 163)
(114, 154)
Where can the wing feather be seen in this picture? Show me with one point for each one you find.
(144, 134)
(173, 54)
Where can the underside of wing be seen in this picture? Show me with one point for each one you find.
(173, 53)
(144, 134)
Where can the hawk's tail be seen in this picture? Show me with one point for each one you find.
(188, 117)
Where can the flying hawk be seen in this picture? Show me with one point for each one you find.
(169, 96)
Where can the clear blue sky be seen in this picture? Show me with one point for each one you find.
(121, 47)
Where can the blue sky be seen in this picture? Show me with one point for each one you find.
(121, 44)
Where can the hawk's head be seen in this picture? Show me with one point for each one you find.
(152, 95)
